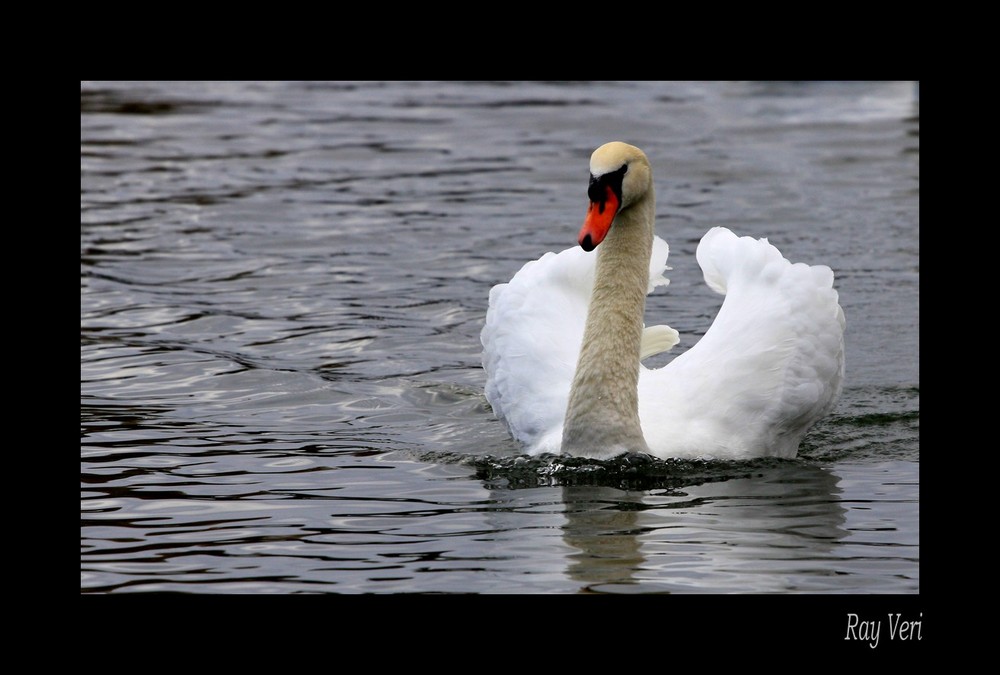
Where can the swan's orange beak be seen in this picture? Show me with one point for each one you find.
(598, 221)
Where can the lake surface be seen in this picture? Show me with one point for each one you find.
(282, 288)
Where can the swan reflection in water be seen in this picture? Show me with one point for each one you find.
(770, 526)
(749, 534)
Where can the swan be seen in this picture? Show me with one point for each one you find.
(564, 339)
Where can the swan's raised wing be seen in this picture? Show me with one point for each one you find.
(771, 364)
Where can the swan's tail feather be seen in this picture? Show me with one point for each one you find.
(656, 340)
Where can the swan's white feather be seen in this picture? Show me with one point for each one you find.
(770, 365)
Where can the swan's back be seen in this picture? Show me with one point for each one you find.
(768, 368)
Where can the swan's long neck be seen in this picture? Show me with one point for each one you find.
(602, 417)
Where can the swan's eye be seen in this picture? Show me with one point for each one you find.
(598, 184)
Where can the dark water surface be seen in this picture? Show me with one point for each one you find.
(282, 288)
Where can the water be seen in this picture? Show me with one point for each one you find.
(282, 288)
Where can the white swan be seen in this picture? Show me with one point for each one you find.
(564, 338)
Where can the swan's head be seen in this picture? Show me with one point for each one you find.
(619, 176)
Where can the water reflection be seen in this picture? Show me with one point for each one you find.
(602, 525)
(740, 535)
